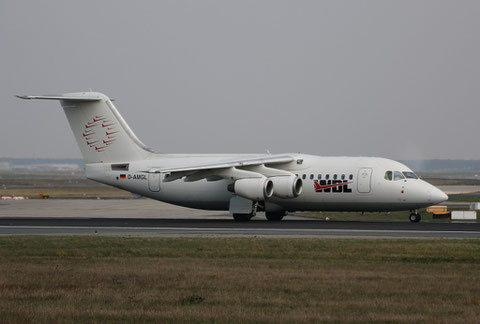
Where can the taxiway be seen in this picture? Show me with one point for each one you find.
(143, 217)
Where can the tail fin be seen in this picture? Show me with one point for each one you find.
(101, 133)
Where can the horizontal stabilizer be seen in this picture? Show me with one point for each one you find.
(64, 97)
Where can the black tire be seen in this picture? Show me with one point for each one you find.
(415, 218)
(242, 217)
(274, 216)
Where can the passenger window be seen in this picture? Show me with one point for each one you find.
(351, 177)
(304, 176)
(388, 175)
(327, 176)
(311, 177)
(319, 177)
(397, 175)
(343, 177)
(334, 177)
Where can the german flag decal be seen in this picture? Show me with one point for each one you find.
(123, 176)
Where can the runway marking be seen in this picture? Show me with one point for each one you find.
(231, 229)
(142, 231)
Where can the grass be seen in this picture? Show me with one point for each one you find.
(472, 197)
(86, 279)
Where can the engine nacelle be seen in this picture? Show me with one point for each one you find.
(287, 186)
(257, 189)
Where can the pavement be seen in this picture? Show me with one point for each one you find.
(459, 189)
(149, 218)
(102, 208)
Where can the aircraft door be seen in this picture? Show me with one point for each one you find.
(364, 180)
(154, 181)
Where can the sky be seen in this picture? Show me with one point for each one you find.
(396, 79)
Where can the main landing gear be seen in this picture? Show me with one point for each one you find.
(274, 216)
(242, 217)
(243, 210)
(271, 216)
(415, 217)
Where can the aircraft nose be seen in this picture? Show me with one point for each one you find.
(438, 196)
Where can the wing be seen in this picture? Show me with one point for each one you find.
(267, 166)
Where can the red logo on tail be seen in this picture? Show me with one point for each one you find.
(94, 133)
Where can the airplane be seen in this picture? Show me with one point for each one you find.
(240, 183)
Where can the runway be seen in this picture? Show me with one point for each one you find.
(146, 218)
(260, 228)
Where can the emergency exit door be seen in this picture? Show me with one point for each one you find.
(154, 181)
(364, 180)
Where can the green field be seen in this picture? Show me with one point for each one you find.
(472, 197)
(87, 279)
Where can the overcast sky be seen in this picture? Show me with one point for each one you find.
(398, 79)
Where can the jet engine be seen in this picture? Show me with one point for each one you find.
(287, 186)
(257, 189)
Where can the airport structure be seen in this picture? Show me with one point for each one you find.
(243, 183)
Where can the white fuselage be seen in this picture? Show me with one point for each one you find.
(329, 184)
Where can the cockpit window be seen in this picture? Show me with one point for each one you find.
(397, 175)
(409, 175)
(388, 175)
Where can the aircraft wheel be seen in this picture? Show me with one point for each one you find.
(242, 217)
(415, 218)
(274, 216)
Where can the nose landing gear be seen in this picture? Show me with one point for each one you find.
(415, 217)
